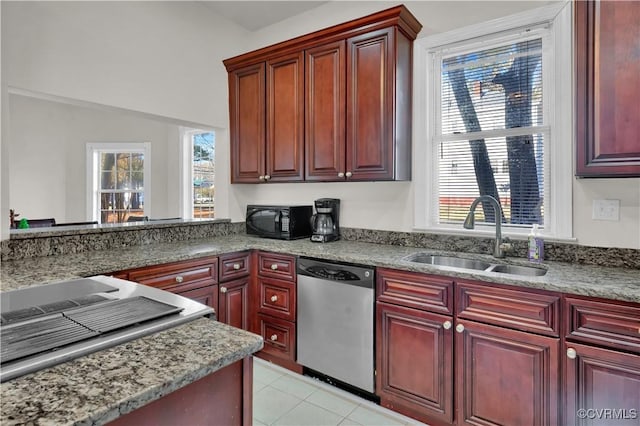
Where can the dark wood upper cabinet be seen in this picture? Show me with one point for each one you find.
(247, 121)
(337, 104)
(285, 118)
(607, 88)
(325, 87)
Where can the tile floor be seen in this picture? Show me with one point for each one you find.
(281, 397)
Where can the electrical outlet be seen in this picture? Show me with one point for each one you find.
(606, 210)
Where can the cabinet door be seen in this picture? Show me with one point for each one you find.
(247, 119)
(414, 362)
(285, 118)
(205, 295)
(233, 305)
(607, 88)
(602, 386)
(370, 118)
(505, 377)
(324, 112)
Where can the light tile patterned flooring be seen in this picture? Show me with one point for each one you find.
(281, 397)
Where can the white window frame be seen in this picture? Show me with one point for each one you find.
(93, 151)
(186, 169)
(558, 110)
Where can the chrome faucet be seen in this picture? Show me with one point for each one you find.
(469, 222)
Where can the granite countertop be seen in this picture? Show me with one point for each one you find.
(597, 281)
(102, 386)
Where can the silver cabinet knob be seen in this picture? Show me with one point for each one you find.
(261, 177)
(274, 337)
(274, 266)
(223, 289)
(236, 266)
(459, 328)
(340, 175)
(348, 174)
(274, 298)
(571, 353)
(267, 177)
(179, 279)
(446, 325)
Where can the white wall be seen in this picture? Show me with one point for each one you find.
(164, 58)
(47, 147)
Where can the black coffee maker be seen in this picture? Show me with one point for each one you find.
(325, 224)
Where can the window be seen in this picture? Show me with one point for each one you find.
(498, 122)
(199, 166)
(119, 181)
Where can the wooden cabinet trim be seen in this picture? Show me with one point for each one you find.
(234, 265)
(603, 323)
(233, 303)
(396, 16)
(415, 290)
(517, 309)
(276, 298)
(599, 153)
(279, 336)
(277, 266)
(484, 351)
(400, 383)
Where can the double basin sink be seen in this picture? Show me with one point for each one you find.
(473, 264)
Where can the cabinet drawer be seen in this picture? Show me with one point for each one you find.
(606, 323)
(277, 266)
(277, 298)
(415, 290)
(521, 310)
(178, 276)
(279, 336)
(234, 265)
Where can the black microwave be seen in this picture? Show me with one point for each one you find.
(281, 222)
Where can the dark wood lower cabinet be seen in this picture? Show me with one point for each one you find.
(602, 386)
(206, 295)
(415, 362)
(233, 304)
(222, 398)
(505, 377)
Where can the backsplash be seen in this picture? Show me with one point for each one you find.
(560, 252)
(26, 245)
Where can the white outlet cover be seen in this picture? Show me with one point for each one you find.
(606, 210)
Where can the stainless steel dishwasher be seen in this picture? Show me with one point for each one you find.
(335, 321)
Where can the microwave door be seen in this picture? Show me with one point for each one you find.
(264, 222)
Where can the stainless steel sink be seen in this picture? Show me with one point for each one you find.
(451, 261)
(518, 270)
(473, 264)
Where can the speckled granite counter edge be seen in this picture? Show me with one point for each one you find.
(100, 387)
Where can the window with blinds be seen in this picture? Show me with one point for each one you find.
(490, 132)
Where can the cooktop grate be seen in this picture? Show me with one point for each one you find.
(40, 335)
(33, 337)
(120, 313)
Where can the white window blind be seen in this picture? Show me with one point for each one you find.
(490, 132)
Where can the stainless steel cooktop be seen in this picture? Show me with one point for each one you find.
(45, 325)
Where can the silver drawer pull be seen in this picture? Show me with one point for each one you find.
(223, 289)
(236, 266)
(446, 325)
(348, 174)
(459, 328)
(274, 298)
(274, 337)
(179, 279)
(340, 175)
(274, 266)
(571, 353)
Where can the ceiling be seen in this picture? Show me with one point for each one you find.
(254, 15)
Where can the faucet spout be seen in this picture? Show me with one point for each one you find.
(469, 222)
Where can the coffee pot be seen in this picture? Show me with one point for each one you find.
(325, 225)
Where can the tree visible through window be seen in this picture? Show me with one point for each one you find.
(492, 136)
(203, 175)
